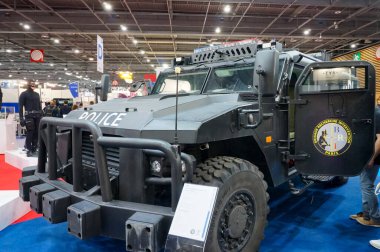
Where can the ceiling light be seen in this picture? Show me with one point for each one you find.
(51, 64)
(337, 12)
(10, 76)
(142, 52)
(12, 60)
(165, 65)
(148, 60)
(152, 65)
(48, 76)
(1, 63)
(24, 78)
(306, 32)
(227, 8)
(35, 72)
(26, 26)
(8, 50)
(59, 78)
(123, 27)
(218, 30)
(65, 69)
(107, 6)
(91, 59)
(76, 51)
(353, 45)
(76, 73)
(56, 41)
(135, 41)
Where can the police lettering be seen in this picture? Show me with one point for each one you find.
(103, 119)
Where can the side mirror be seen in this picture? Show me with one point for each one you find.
(266, 67)
(104, 87)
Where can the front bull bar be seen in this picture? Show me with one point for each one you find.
(48, 153)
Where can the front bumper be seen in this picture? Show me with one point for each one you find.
(95, 211)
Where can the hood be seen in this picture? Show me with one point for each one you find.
(154, 116)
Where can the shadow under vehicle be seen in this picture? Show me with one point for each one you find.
(249, 116)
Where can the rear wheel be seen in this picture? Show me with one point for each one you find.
(241, 209)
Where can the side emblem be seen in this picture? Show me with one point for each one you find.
(332, 137)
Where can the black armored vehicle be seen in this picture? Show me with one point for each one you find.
(241, 117)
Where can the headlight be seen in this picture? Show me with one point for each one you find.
(156, 166)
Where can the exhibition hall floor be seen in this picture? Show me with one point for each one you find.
(315, 221)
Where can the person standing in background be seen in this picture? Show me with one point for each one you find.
(30, 100)
(65, 109)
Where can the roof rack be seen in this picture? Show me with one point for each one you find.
(240, 49)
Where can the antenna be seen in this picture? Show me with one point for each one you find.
(177, 71)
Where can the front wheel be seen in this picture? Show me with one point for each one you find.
(241, 209)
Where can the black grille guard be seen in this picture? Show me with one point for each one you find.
(47, 147)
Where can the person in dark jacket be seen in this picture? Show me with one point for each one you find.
(65, 109)
(30, 112)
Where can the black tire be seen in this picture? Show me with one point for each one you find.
(241, 209)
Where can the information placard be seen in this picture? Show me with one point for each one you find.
(192, 217)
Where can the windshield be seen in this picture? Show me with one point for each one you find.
(187, 83)
(231, 79)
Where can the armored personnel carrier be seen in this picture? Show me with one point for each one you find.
(241, 117)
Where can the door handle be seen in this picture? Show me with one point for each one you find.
(365, 121)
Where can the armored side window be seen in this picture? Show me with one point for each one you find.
(338, 78)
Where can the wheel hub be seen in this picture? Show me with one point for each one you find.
(236, 221)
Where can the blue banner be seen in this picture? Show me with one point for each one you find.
(74, 89)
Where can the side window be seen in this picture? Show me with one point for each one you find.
(337, 78)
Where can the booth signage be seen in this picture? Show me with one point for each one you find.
(37, 55)
(74, 89)
(99, 54)
(378, 53)
(357, 56)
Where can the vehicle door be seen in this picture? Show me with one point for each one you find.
(334, 118)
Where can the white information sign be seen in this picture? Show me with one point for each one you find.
(194, 211)
(99, 54)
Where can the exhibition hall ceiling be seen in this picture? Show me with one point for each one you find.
(140, 35)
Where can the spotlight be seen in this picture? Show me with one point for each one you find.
(26, 26)
(56, 41)
(227, 8)
(148, 60)
(142, 52)
(107, 6)
(123, 27)
(353, 45)
(218, 30)
(307, 32)
(76, 51)
(135, 41)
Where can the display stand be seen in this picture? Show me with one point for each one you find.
(7, 129)
(12, 207)
(17, 158)
(189, 228)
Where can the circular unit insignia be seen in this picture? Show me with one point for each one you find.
(332, 137)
